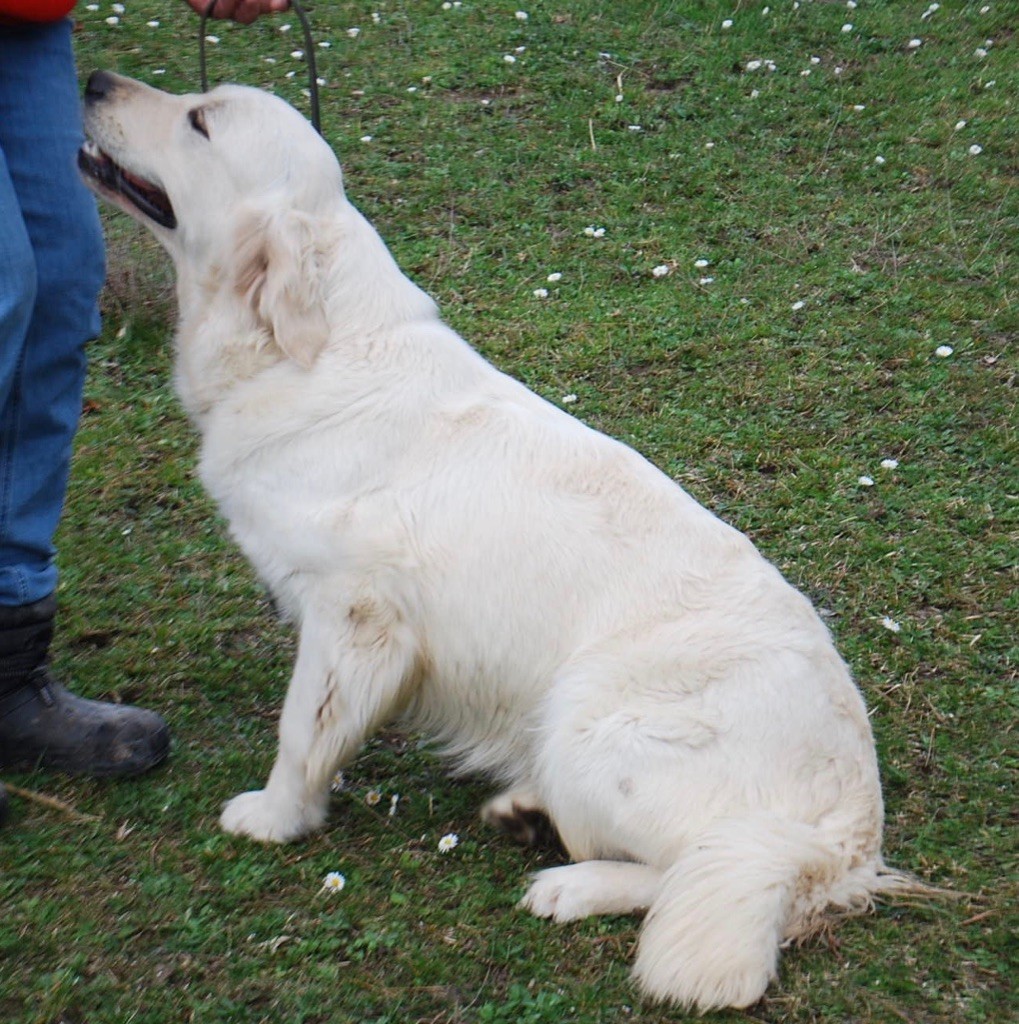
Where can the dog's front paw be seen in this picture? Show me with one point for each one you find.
(554, 894)
(258, 816)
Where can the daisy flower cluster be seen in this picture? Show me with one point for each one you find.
(848, 28)
(887, 464)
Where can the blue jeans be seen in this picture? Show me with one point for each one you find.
(51, 271)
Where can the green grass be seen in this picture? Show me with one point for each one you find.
(483, 181)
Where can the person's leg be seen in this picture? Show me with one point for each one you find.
(42, 360)
(51, 270)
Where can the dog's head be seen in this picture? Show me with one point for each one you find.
(234, 183)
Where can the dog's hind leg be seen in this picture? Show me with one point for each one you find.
(592, 887)
(349, 678)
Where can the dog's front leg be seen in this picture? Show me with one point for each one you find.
(347, 681)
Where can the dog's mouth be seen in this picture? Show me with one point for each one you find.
(145, 196)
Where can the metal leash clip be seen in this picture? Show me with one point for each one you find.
(309, 56)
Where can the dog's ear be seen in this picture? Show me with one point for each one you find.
(279, 273)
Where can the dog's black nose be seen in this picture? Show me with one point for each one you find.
(100, 84)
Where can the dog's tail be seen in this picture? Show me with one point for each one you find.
(738, 892)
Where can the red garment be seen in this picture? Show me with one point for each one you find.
(35, 10)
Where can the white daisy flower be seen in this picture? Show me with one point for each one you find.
(296, 54)
(337, 783)
(889, 463)
(914, 44)
(847, 28)
(333, 882)
(959, 125)
(118, 8)
(540, 293)
(879, 159)
(393, 801)
(975, 150)
(943, 351)
(890, 624)
(372, 797)
(521, 15)
(707, 280)
(798, 304)
(366, 138)
(554, 276)
(569, 399)
(448, 842)
(727, 23)
(509, 58)
(353, 32)
(865, 481)
(113, 20)
(152, 24)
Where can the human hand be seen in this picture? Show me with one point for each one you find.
(243, 11)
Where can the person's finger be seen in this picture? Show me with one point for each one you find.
(248, 10)
(222, 8)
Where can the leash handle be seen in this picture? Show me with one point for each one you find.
(309, 56)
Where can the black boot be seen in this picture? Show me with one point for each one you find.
(43, 725)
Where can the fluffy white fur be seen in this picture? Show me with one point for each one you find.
(461, 554)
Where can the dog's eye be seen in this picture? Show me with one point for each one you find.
(197, 119)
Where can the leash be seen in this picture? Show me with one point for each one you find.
(309, 56)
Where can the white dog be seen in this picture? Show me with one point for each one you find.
(459, 553)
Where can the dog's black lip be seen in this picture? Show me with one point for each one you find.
(147, 197)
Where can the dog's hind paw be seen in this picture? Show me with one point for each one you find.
(521, 815)
(256, 815)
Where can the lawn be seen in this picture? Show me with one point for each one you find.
(773, 248)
